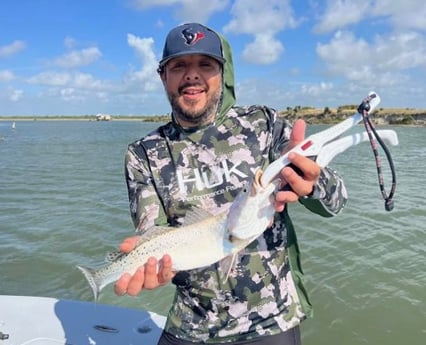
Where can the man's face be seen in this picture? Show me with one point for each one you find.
(194, 87)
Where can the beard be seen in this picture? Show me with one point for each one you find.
(197, 117)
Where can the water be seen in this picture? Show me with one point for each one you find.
(63, 202)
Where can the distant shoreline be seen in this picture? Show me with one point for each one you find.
(382, 116)
(85, 118)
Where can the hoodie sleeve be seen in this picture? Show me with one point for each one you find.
(144, 202)
(329, 196)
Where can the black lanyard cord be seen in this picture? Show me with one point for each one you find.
(363, 109)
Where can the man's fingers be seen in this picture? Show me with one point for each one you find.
(166, 273)
(299, 186)
(301, 182)
(146, 277)
(298, 132)
(120, 287)
(129, 244)
(137, 282)
(310, 169)
(151, 278)
(284, 197)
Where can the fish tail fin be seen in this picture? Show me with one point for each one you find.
(90, 275)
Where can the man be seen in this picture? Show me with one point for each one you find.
(202, 158)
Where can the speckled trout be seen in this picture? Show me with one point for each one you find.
(202, 240)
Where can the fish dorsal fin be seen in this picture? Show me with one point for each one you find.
(113, 256)
(147, 231)
(196, 215)
(143, 225)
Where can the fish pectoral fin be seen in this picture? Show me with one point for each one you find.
(227, 264)
(113, 256)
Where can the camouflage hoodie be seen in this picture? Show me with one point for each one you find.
(171, 170)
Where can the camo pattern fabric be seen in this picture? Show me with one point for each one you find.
(172, 170)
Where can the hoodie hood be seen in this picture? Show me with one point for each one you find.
(228, 92)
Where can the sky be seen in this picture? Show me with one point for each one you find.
(85, 57)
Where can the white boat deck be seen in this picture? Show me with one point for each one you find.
(48, 321)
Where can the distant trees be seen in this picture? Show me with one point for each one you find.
(327, 111)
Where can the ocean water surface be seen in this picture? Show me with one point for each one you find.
(63, 202)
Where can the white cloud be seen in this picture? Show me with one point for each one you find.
(253, 17)
(6, 76)
(143, 48)
(69, 79)
(275, 15)
(146, 77)
(72, 94)
(402, 51)
(15, 95)
(390, 56)
(51, 78)
(263, 50)
(338, 14)
(77, 58)
(12, 49)
(69, 42)
(145, 4)
(194, 10)
(315, 90)
(380, 61)
(75, 95)
(87, 81)
(69, 95)
(73, 86)
(187, 10)
(263, 20)
(407, 14)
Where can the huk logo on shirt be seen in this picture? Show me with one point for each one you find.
(205, 180)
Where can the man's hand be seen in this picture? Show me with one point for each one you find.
(300, 185)
(148, 276)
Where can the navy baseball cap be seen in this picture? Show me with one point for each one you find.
(192, 38)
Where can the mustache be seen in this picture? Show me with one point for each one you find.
(184, 86)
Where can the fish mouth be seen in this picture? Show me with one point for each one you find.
(258, 180)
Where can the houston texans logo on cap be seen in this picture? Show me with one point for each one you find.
(190, 37)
